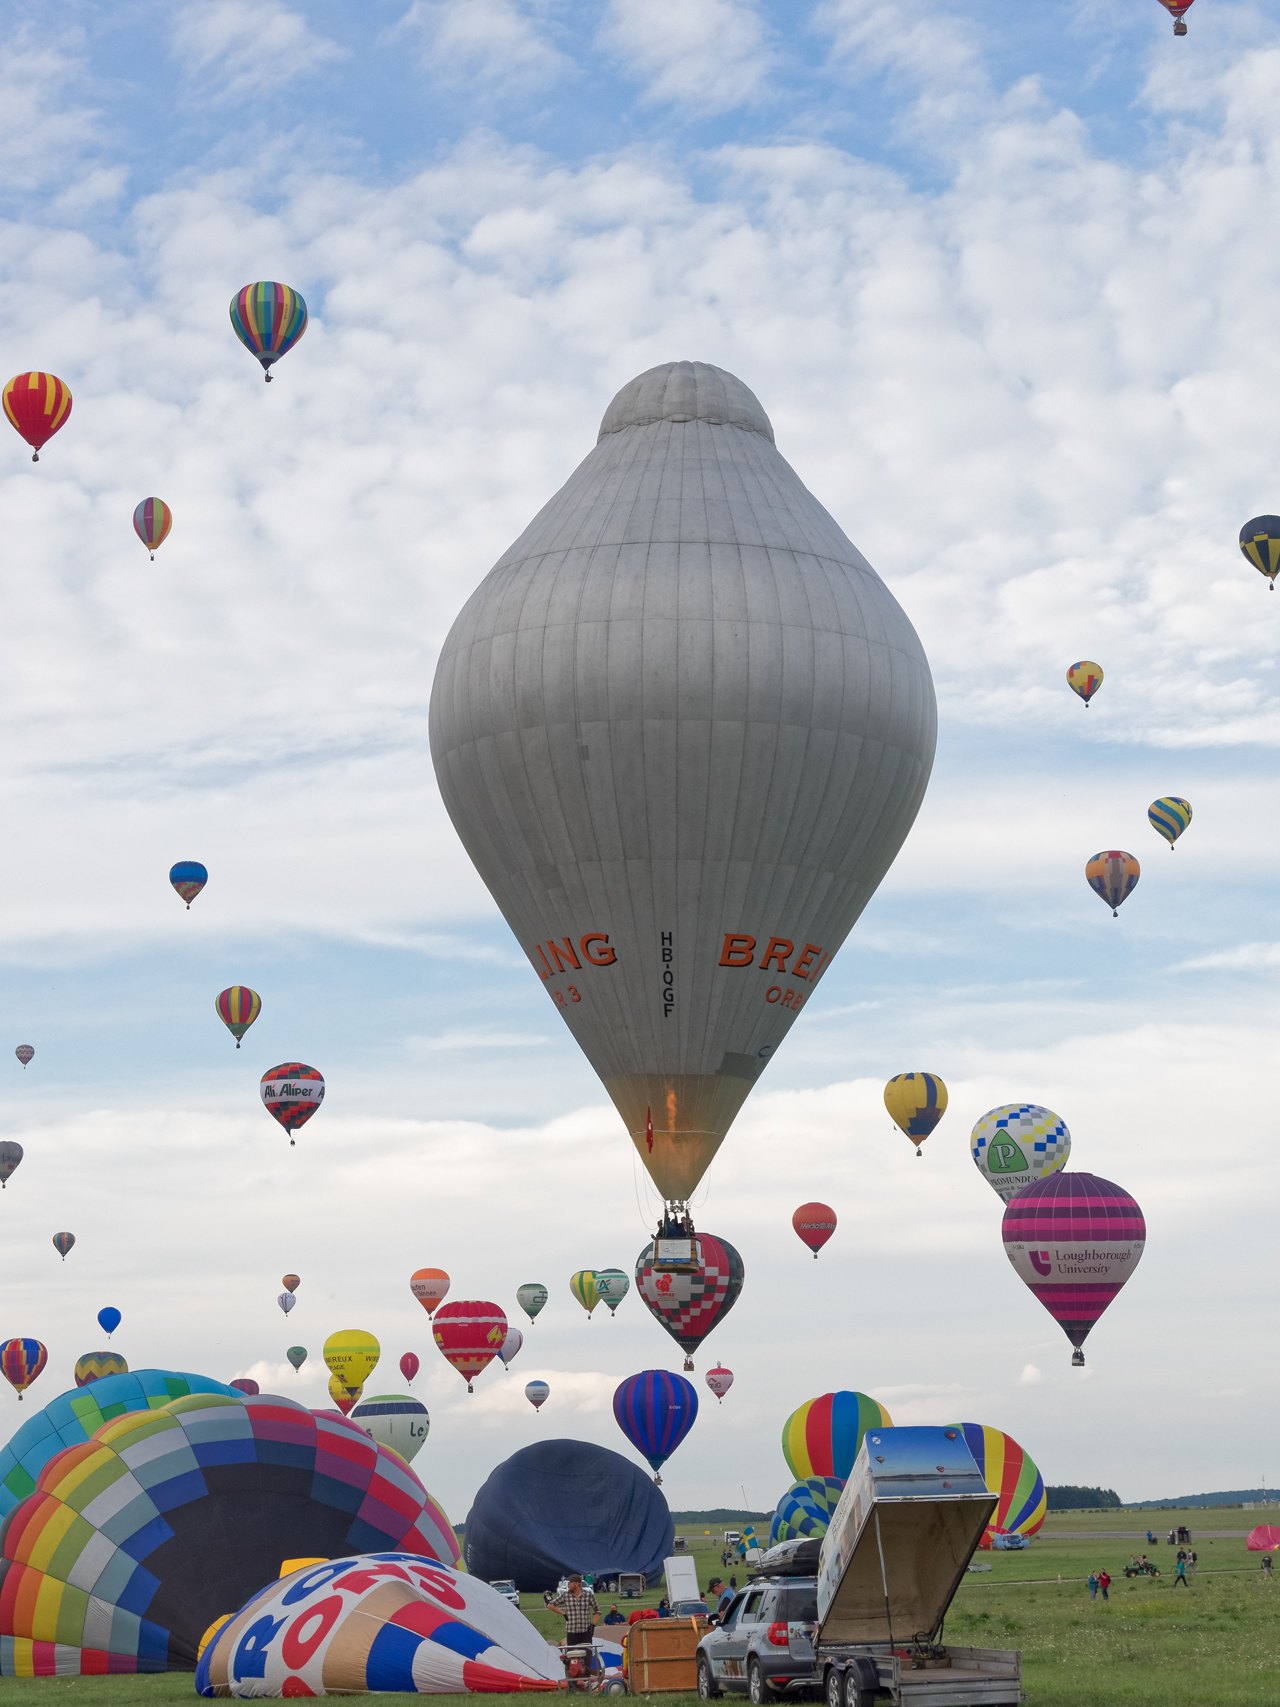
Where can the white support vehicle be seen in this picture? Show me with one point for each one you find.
(909, 1520)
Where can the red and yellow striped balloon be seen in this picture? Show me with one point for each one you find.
(238, 1007)
(822, 1437)
(1011, 1474)
(151, 522)
(38, 405)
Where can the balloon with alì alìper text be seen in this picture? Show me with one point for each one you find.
(682, 729)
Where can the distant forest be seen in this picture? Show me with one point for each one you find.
(1068, 1498)
(733, 1518)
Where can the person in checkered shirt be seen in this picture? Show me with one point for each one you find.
(580, 1612)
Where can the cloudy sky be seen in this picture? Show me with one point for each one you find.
(1002, 277)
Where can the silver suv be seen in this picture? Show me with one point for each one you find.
(763, 1646)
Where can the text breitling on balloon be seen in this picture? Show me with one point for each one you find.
(738, 951)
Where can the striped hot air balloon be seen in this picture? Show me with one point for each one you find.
(38, 405)
(269, 319)
(916, 1102)
(583, 1287)
(21, 1360)
(822, 1437)
(470, 1334)
(1085, 678)
(655, 1410)
(1260, 543)
(62, 1243)
(238, 1006)
(1113, 874)
(97, 1365)
(151, 522)
(1074, 1239)
(1170, 815)
(1009, 1473)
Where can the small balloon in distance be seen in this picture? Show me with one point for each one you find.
(916, 1103)
(409, 1365)
(268, 318)
(292, 1092)
(151, 522)
(352, 1355)
(62, 1243)
(21, 1360)
(344, 1397)
(429, 1286)
(25, 1053)
(470, 1333)
(10, 1156)
(1169, 816)
(109, 1320)
(1260, 543)
(188, 877)
(297, 1355)
(1179, 9)
(583, 1287)
(655, 1410)
(537, 1393)
(37, 405)
(719, 1380)
(237, 1007)
(95, 1364)
(1085, 678)
(510, 1346)
(1113, 875)
(814, 1224)
(247, 1385)
(531, 1297)
(612, 1286)
(286, 1301)
(291, 1282)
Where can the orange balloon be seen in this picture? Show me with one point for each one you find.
(291, 1282)
(429, 1286)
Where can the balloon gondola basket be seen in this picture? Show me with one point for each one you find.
(1077, 1359)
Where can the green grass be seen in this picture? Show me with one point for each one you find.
(1213, 1644)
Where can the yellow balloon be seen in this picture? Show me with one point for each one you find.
(352, 1355)
(917, 1102)
(344, 1397)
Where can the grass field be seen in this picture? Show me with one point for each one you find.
(1215, 1643)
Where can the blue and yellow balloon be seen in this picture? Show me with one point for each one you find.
(917, 1102)
(1170, 815)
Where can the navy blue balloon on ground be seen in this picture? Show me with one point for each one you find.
(564, 1505)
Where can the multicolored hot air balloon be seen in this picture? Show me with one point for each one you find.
(429, 1286)
(1017, 1143)
(151, 522)
(10, 1156)
(297, 1355)
(268, 319)
(344, 1397)
(655, 1410)
(286, 1301)
(1260, 543)
(62, 1243)
(689, 1306)
(96, 1365)
(1170, 815)
(537, 1393)
(1074, 1239)
(510, 1346)
(470, 1335)
(38, 406)
(409, 1365)
(612, 1286)
(814, 1224)
(237, 1008)
(531, 1297)
(806, 1509)
(822, 1437)
(1114, 876)
(916, 1102)
(25, 1053)
(109, 1319)
(795, 745)
(21, 1360)
(1179, 9)
(719, 1380)
(188, 877)
(247, 1385)
(291, 1282)
(352, 1355)
(292, 1092)
(1085, 678)
(1009, 1472)
(583, 1287)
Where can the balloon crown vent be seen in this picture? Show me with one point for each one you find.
(686, 391)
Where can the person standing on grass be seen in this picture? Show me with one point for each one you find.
(1093, 1585)
(579, 1611)
(1191, 1564)
(1266, 1566)
(1104, 1583)
(1180, 1574)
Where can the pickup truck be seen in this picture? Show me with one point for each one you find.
(909, 1521)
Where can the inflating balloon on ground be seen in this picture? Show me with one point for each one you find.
(1010, 1473)
(822, 1436)
(806, 1509)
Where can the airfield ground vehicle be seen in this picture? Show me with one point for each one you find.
(507, 1589)
(911, 1516)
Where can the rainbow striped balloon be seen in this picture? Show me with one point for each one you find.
(21, 1360)
(1010, 1473)
(822, 1437)
(151, 522)
(1074, 1239)
(238, 1007)
(1170, 815)
(269, 319)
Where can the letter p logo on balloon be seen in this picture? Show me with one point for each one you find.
(1005, 1157)
(1040, 1262)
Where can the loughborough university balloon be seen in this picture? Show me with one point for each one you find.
(682, 729)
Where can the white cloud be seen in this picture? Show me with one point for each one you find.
(1248, 957)
(43, 131)
(245, 48)
(502, 42)
(1031, 1376)
(706, 55)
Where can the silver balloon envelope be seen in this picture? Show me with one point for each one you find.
(682, 728)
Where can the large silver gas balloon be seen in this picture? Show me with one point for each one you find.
(682, 728)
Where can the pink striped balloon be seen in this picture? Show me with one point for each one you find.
(1074, 1239)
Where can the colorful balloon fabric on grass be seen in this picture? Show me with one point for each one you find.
(690, 1306)
(292, 1092)
(1010, 1473)
(916, 1103)
(136, 1541)
(151, 522)
(806, 1509)
(1074, 1239)
(1260, 543)
(387, 1621)
(269, 319)
(38, 405)
(62, 1243)
(1113, 875)
(1017, 1143)
(97, 1365)
(1169, 815)
(822, 1437)
(1085, 678)
(237, 1008)
(188, 877)
(470, 1334)
(814, 1224)
(655, 1410)
(21, 1361)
